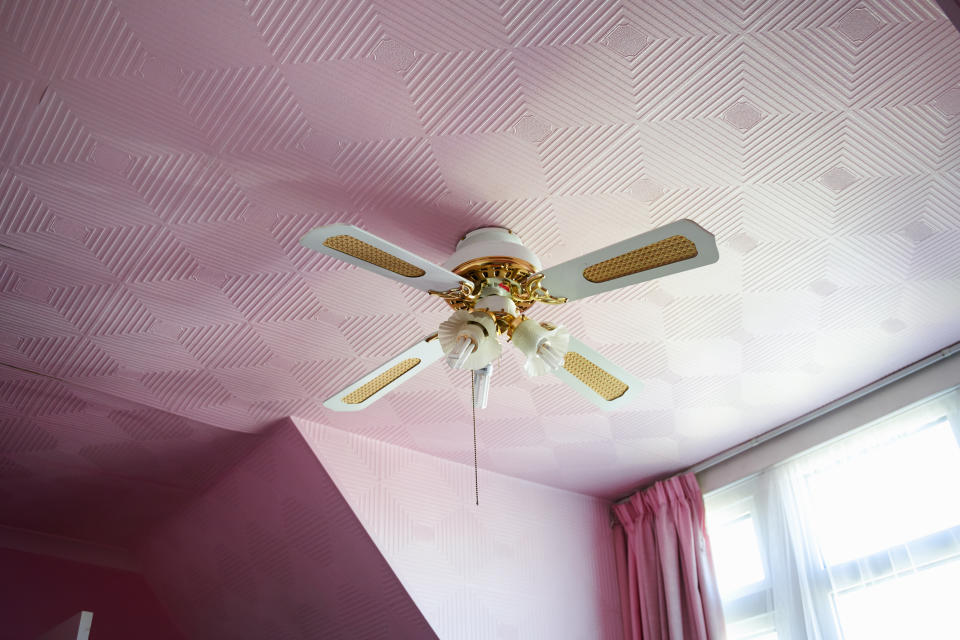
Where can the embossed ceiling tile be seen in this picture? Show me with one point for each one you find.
(244, 109)
(878, 208)
(222, 346)
(34, 396)
(317, 30)
(929, 47)
(272, 297)
(781, 212)
(674, 96)
(438, 27)
(188, 189)
(699, 317)
(229, 250)
(102, 310)
(98, 43)
(120, 111)
(932, 302)
(715, 158)
(184, 390)
(712, 357)
(868, 260)
(608, 158)
(380, 105)
(489, 177)
(51, 133)
(305, 340)
(639, 321)
(23, 211)
(538, 24)
(68, 357)
(174, 304)
(466, 91)
(218, 35)
(773, 352)
(863, 306)
(139, 254)
(65, 189)
(352, 289)
(770, 313)
(705, 391)
(21, 317)
(780, 266)
(389, 173)
(925, 267)
(379, 336)
(18, 99)
(575, 86)
(259, 384)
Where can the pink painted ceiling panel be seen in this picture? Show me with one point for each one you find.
(159, 161)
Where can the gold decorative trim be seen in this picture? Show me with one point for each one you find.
(494, 263)
(368, 253)
(661, 253)
(604, 384)
(361, 394)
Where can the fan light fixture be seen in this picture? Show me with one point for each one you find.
(491, 280)
(469, 340)
(543, 345)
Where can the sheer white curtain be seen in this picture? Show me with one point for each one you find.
(859, 538)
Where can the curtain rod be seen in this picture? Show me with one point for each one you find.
(876, 385)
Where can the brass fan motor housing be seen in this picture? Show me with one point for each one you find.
(518, 278)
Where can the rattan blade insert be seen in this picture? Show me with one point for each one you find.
(368, 253)
(658, 254)
(604, 384)
(364, 392)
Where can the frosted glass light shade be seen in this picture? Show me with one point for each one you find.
(544, 348)
(469, 340)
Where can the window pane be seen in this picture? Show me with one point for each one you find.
(919, 605)
(886, 495)
(736, 556)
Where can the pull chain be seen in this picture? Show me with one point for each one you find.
(473, 407)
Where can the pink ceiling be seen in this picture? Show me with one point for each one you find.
(159, 161)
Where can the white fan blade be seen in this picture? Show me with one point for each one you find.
(386, 377)
(672, 248)
(596, 378)
(356, 246)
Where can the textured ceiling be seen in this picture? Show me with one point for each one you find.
(160, 160)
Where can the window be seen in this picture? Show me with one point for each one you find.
(858, 539)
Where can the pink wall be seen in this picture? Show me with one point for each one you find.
(530, 562)
(39, 592)
(273, 551)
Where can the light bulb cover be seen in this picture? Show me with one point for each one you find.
(476, 327)
(544, 348)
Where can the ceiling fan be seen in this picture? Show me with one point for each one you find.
(490, 281)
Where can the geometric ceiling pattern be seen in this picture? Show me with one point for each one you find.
(160, 160)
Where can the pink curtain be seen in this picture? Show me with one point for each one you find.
(667, 586)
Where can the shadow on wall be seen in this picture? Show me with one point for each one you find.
(87, 465)
(39, 592)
